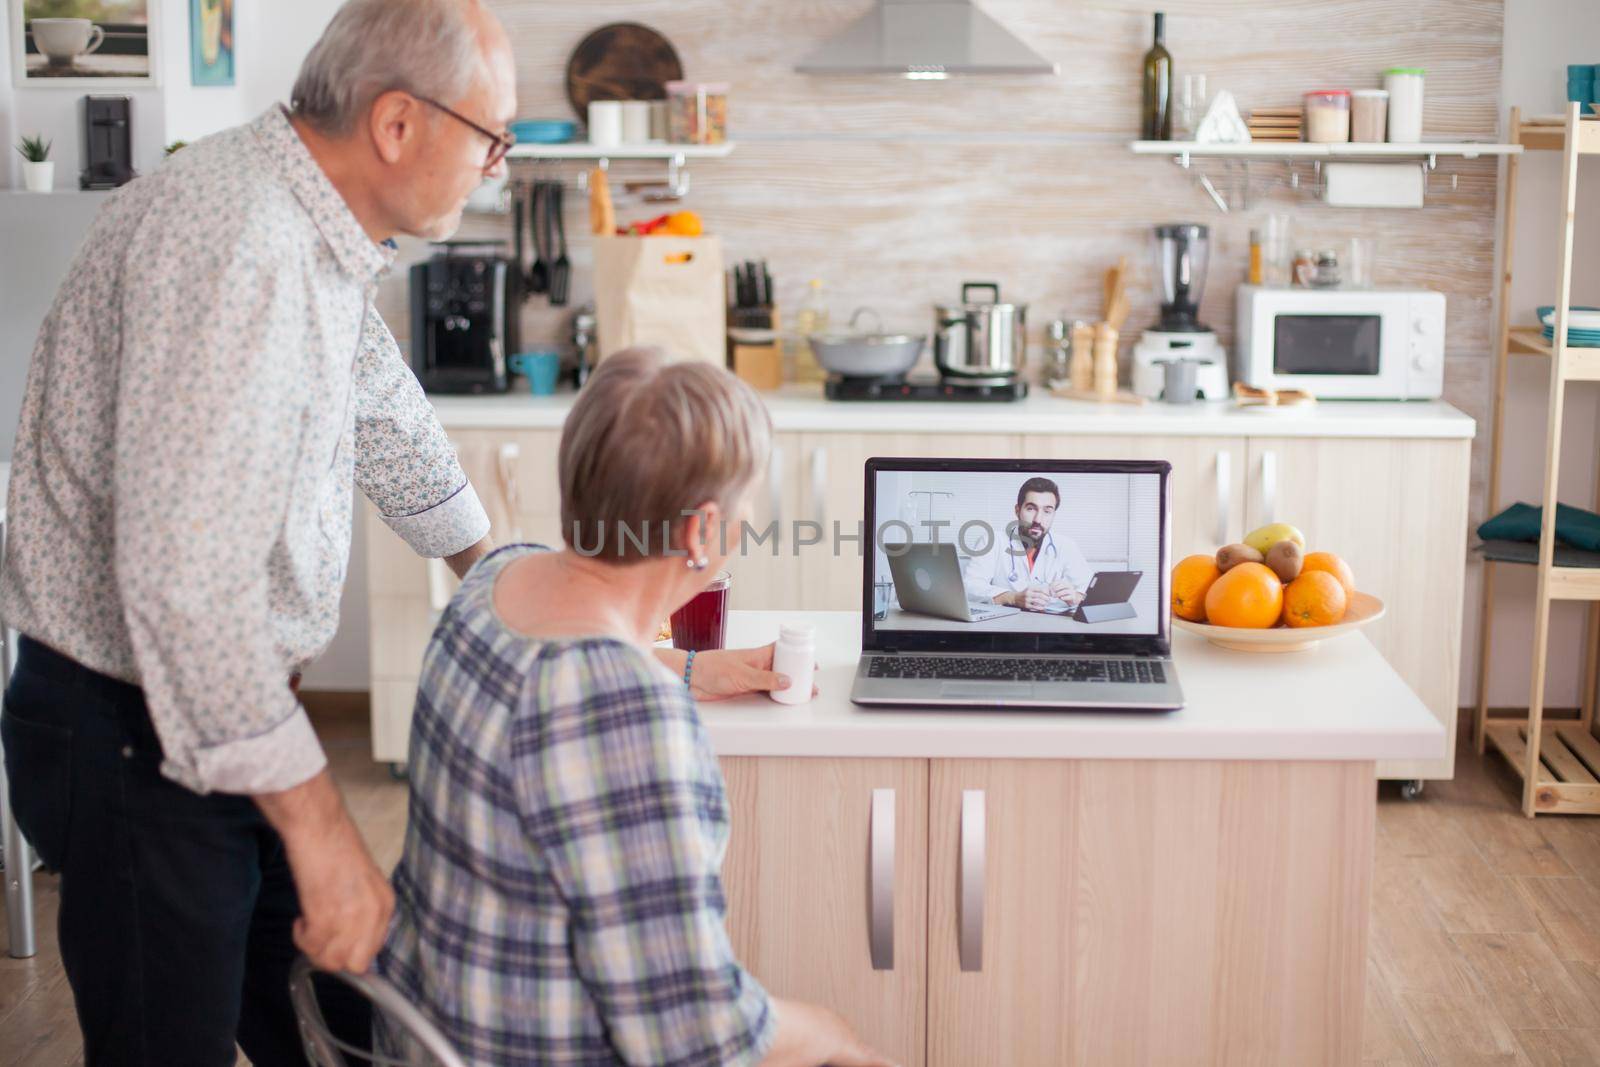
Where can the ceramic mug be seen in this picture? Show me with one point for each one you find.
(63, 40)
(542, 369)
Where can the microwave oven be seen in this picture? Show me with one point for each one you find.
(1341, 344)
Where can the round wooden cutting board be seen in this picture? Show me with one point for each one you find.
(622, 61)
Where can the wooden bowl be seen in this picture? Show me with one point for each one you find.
(1365, 608)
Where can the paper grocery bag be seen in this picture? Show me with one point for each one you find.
(665, 291)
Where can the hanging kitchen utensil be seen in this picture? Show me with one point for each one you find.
(561, 269)
(519, 244)
(602, 213)
(539, 273)
(621, 61)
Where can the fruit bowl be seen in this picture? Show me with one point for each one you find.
(1364, 608)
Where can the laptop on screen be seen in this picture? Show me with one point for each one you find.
(1017, 584)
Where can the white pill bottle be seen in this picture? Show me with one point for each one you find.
(795, 658)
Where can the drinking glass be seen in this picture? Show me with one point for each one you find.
(1277, 250)
(1359, 261)
(702, 623)
(1192, 100)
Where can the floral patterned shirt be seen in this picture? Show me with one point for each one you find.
(209, 383)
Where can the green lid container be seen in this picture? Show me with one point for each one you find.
(1406, 70)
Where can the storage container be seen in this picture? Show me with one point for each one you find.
(1369, 115)
(1328, 116)
(697, 112)
(1405, 103)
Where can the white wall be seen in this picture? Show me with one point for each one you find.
(1541, 38)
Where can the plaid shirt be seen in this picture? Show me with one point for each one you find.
(559, 900)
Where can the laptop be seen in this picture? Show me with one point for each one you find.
(927, 579)
(1020, 524)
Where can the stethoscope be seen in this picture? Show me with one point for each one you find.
(1050, 541)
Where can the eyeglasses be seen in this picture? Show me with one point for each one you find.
(503, 142)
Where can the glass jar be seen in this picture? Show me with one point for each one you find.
(697, 112)
(1328, 116)
(1369, 115)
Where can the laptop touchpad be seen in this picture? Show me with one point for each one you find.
(985, 692)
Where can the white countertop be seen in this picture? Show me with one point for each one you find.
(802, 408)
(1341, 701)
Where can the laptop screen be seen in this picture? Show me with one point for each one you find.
(1006, 555)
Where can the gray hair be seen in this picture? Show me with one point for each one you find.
(423, 47)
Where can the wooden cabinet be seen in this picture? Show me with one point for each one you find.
(1062, 912)
(1396, 511)
(765, 572)
(1206, 488)
(821, 850)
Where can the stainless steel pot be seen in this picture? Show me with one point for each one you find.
(980, 339)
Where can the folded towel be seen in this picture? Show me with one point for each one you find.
(1520, 522)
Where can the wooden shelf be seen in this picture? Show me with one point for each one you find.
(1569, 760)
(584, 150)
(1579, 364)
(1552, 138)
(1303, 150)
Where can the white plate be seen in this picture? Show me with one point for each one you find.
(1576, 320)
(1363, 609)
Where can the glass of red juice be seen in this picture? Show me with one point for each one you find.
(702, 623)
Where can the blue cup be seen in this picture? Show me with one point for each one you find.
(540, 368)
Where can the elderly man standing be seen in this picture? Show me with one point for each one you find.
(209, 383)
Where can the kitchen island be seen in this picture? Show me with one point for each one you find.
(1383, 484)
(974, 887)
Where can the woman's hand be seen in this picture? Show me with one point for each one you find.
(731, 672)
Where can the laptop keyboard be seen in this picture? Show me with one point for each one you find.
(1019, 669)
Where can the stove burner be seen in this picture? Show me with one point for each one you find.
(990, 390)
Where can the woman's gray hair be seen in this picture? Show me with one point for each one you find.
(423, 47)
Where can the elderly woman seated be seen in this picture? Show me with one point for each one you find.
(559, 900)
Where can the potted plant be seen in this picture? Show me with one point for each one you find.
(38, 171)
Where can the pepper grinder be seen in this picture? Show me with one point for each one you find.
(1081, 370)
(1105, 361)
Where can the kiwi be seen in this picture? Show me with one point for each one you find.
(1230, 556)
(1286, 558)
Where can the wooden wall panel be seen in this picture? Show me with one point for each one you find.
(894, 192)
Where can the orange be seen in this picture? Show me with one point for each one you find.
(684, 224)
(1191, 578)
(1314, 599)
(1327, 561)
(1248, 596)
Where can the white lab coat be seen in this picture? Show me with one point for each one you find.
(999, 570)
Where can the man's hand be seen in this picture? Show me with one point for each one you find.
(1029, 599)
(1065, 590)
(345, 901)
(462, 561)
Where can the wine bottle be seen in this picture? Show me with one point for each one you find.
(1158, 86)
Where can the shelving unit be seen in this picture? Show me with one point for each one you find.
(1559, 763)
(584, 150)
(1240, 156)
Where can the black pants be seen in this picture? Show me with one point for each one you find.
(177, 909)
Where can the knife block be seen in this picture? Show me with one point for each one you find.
(754, 354)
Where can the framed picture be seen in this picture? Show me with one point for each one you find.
(78, 44)
(211, 42)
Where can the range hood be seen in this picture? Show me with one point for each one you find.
(925, 39)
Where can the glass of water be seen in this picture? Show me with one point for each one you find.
(1192, 101)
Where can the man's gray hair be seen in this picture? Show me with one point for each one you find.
(423, 47)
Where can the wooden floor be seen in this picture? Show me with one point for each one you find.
(1485, 933)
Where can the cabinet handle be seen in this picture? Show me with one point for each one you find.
(881, 892)
(819, 484)
(775, 486)
(1224, 491)
(1269, 487)
(970, 918)
(506, 463)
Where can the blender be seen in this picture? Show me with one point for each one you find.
(1182, 251)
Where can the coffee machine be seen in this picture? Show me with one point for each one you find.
(464, 304)
(1182, 252)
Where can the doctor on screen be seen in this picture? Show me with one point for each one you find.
(1029, 567)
